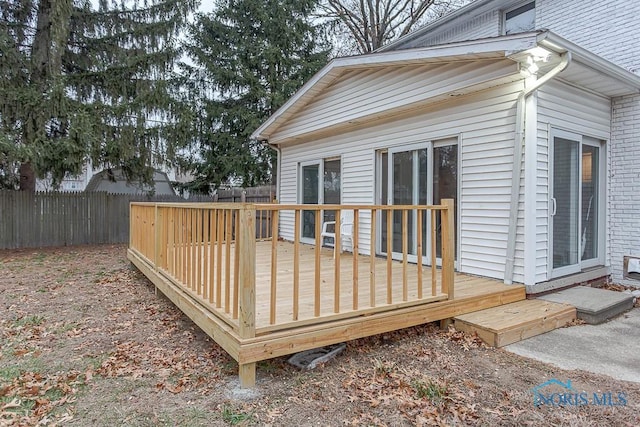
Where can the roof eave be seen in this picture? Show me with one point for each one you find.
(557, 44)
(499, 45)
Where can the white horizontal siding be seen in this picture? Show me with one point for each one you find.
(481, 26)
(359, 95)
(483, 121)
(564, 107)
(570, 108)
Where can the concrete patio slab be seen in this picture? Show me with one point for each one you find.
(611, 348)
(594, 305)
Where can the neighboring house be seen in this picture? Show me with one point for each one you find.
(112, 181)
(69, 183)
(534, 132)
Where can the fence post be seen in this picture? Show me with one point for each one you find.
(448, 247)
(247, 283)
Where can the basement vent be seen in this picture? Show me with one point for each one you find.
(631, 266)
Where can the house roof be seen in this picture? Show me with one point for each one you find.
(586, 69)
(468, 11)
(115, 181)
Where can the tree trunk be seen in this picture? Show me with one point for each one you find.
(46, 50)
(27, 177)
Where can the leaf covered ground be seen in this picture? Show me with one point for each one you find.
(85, 341)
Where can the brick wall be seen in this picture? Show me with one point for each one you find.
(608, 28)
(624, 184)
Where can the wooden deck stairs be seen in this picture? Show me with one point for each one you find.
(516, 321)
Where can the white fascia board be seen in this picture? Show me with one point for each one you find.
(496, 47)
(557, 44)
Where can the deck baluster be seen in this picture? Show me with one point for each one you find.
(355, 249)
(448, 251)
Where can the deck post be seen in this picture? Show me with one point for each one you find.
(247, 282)
(448, 247)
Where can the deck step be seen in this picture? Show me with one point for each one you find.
(509, 323)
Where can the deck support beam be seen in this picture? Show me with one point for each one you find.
(247, 372)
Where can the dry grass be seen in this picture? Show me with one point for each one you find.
(85, 341)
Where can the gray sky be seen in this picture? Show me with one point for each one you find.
(206, 6)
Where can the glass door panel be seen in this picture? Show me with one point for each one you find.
(310, 196)
(403, 193)
(331, 181)
(445, 186)
(406, 177)
(565, 211)
(590, 202)
(384, 199)
(423, 197)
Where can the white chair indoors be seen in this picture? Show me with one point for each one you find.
(346, 231)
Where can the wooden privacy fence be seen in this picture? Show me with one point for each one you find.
(258, 284)
(42, 219)
(59, 219)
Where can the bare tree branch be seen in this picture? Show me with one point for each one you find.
(372, 23)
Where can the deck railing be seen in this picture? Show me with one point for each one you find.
(210, 250)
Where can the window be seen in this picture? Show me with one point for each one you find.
(319, 184)
(520, 19)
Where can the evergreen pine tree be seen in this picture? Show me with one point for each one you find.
(248, 58)
(80, 83)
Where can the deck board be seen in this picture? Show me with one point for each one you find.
(464, 284)
(287, 336)
(219, 270)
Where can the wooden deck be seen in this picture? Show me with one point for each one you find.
(272, 298)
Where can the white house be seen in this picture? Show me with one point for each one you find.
(526, 113)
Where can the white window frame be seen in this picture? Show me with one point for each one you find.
(320, 163)
(511, 9)
(602, 164)
(429, 145)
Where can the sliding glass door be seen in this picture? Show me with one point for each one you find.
(575, 203)
(408, 184)
(415, 175)
(319, 184)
